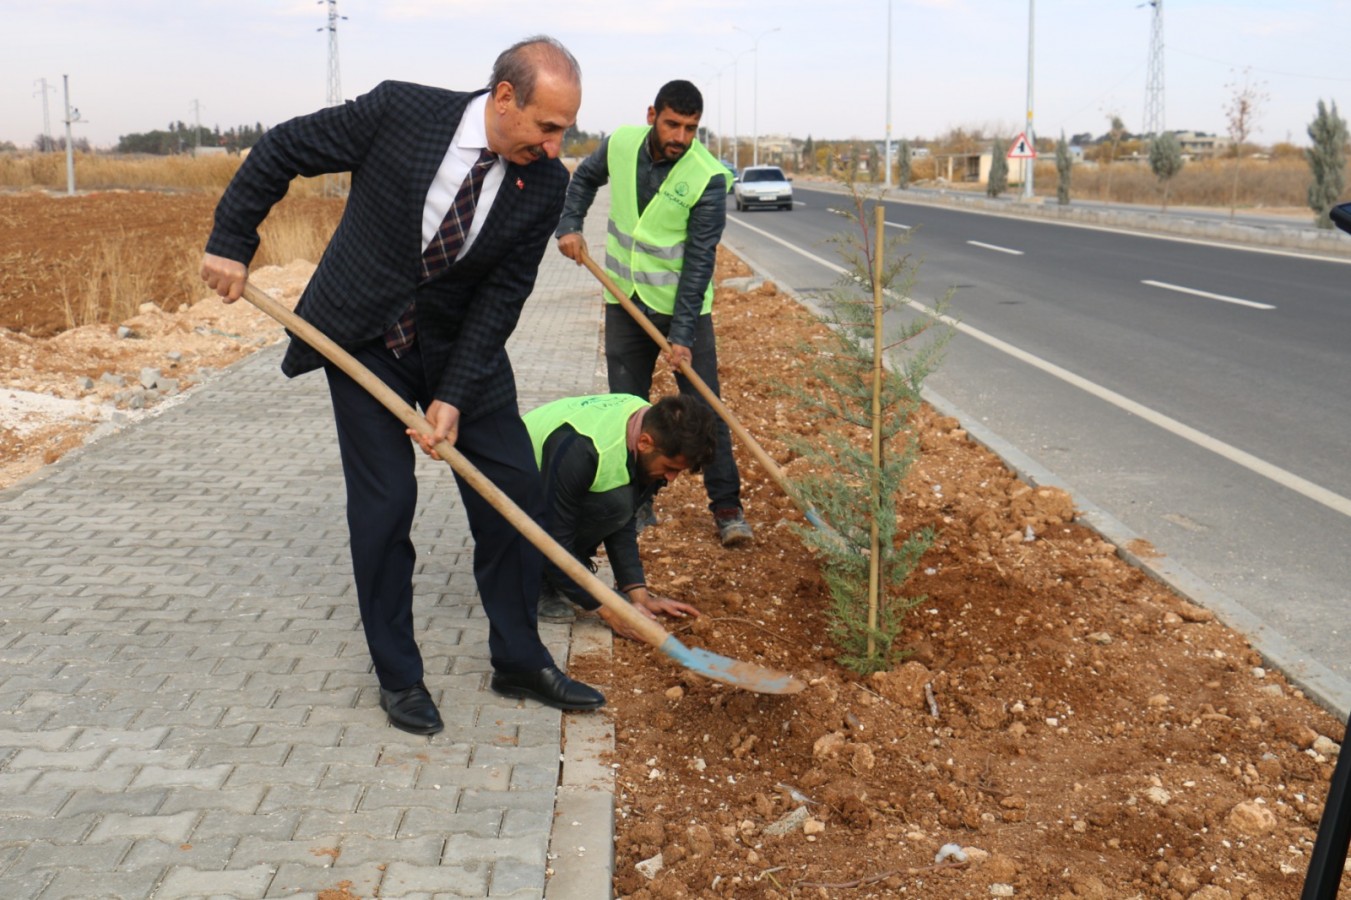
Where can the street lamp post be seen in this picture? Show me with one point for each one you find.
(717, 73)
(1030, 164)
(888, 179)
(755, 94)
(736, 138)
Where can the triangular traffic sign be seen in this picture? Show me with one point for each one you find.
(1022, 148)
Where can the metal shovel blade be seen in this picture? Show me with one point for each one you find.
(746, 675)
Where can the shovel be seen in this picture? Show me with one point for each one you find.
(749, 442)
(745, 675)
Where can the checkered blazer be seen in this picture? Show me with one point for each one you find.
(392, 140)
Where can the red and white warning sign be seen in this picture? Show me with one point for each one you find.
(1022, 148)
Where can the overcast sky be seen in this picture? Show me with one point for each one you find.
(136, 65)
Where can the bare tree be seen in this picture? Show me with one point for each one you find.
(1245, 102)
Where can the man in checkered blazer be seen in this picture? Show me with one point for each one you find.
(436, 337)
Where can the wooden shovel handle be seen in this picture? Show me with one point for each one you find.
(747, 440)
(648, 630)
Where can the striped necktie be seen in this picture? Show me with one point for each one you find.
(449, 238)
(445, 244)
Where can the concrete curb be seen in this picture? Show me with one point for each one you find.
(581, 843)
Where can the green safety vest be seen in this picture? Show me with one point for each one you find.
(604, 418)
(645, 254)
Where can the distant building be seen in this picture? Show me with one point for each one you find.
(1199, 145)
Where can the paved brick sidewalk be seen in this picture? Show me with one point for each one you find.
(186, 706)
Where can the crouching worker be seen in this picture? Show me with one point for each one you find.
(601, 457)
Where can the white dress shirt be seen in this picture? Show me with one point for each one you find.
(470, 138)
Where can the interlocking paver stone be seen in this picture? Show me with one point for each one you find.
(187, 707)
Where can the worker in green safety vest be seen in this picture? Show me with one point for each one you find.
(601, 457)
(668, 208)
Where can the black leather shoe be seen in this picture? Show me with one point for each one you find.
(412, 710)
(550, 687)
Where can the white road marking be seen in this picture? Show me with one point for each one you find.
(995, 247)
(1302, 486)
(1207, 294)
(896, 225)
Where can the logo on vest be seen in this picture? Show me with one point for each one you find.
(677, 194)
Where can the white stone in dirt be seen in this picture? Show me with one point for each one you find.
(1001, 890)
(649, 868)
(25, 411)
(788, 823)
(952, 852)
(828, 746)
(149, 378)
(1251, 817)
(1326, 746)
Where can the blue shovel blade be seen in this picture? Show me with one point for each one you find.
(745, 675)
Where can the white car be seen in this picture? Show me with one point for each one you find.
(763, 186)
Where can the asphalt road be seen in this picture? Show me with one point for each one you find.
(1200, 394)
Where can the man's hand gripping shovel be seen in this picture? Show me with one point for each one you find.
(745, 675)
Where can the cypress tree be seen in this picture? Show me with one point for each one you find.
(1327, 162)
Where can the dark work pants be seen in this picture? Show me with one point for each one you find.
(598, 517)
(377, 462)
(631, 354)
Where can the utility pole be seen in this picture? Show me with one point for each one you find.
(887, 183)
(1154, 119)
(72, 116)
(197, 129)
(334, 77)
(1030, 164)
(49, 145)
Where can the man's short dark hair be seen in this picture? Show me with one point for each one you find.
(680, 97)
(522, 62)
(682, 426)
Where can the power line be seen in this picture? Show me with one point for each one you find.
(1262, 70)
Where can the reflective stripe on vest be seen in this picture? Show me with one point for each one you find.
(645, 254)
(603, 419)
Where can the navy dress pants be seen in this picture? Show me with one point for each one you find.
(631, 354)
(377, 463)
